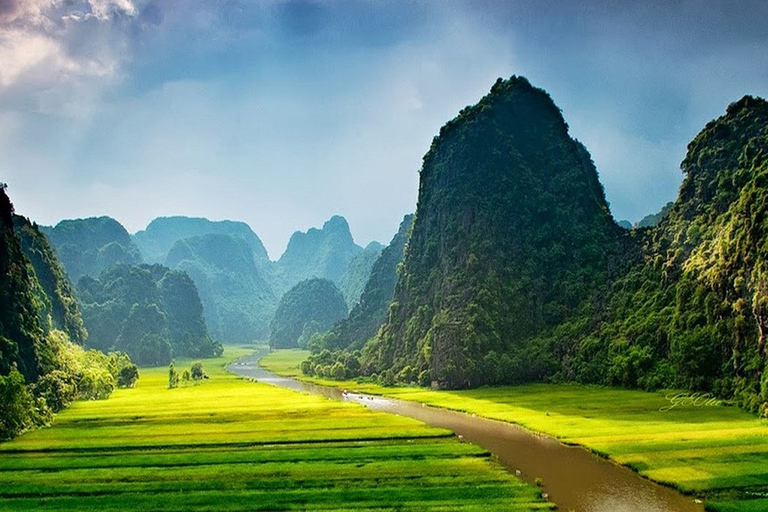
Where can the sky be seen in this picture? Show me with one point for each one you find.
(283, 113)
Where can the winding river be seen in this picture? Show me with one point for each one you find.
(573, 477)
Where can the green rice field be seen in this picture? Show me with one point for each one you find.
(230, 444)
(715, 451)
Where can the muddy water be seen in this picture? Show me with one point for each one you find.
(573, 478)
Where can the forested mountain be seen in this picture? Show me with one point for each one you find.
(41, 370)
(310, 307)
(157, 240)
(86, 247)
(654, 218)
(352, 282)
(692, 312)
(512, 237)
(371, 311)
(238, 301)
(57, 304)
(148, 311)
(324, 253)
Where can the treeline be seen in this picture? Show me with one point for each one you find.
(42, 369)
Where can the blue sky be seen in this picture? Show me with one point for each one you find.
(283, 113)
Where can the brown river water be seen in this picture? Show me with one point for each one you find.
(574, 478)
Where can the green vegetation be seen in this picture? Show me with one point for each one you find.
(512, 236)
(654, 218)
(86, 247)
(308, 308)
(371, 311)
(238, 301)
(148, 311)
(327, 253)
(229, 444)
(707, 448)
(41, 370)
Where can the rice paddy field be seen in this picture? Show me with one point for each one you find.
(712, 450)
(230, 444)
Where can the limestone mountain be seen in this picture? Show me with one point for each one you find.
(693, 311)
(512, 236)
(86, 247)
(325, 253)
(157, 240)
(371, 311)
(238, 301)
(353, 280)
(310, 307)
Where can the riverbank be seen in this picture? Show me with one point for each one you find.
(701, 447)
(226, 443)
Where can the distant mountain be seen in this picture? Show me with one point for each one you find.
(157, 240)
(654, 218)
(151, 312)
(238, 300)
(310, 307)
(353, 281)
(86, 247)
(371, 311)
(325, 253)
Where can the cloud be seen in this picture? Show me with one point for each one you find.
(56, 47)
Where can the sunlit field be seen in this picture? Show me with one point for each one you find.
(230, 444)
(718, 451)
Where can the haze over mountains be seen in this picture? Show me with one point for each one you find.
(238, 284)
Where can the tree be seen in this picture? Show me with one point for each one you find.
(173, 377)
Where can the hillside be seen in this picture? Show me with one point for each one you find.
(693, 311)
(310, 307)
(86, 247)
(324, 253)
(148, 311)
(371, 311)
(238, 302)
(57, 303)
(352, 282)
(512, 236)
(157, 240)
(41, 370)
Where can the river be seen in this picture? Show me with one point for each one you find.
(573, 477)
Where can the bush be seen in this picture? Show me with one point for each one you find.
(127, 376)
(197, 371)
(173, 377)
(337, 371)
(16, 405)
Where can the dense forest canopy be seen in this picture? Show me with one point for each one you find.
(151, 312)
(310, 307)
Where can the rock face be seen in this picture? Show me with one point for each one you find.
(512, 235)
(86, 247)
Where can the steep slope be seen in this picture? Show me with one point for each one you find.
(512, 236)
(324, 253)
(58, 305)
(693, 313)
(238, 302)
(371, 311)
(352, 282)
(310, 307)
(88, 246)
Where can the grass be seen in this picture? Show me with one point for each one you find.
(719, 452)
(230, 444)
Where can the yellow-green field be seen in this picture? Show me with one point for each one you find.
(230, 444)
(719, 452)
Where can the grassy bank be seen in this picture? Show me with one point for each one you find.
(703, 448)
(230, 444)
